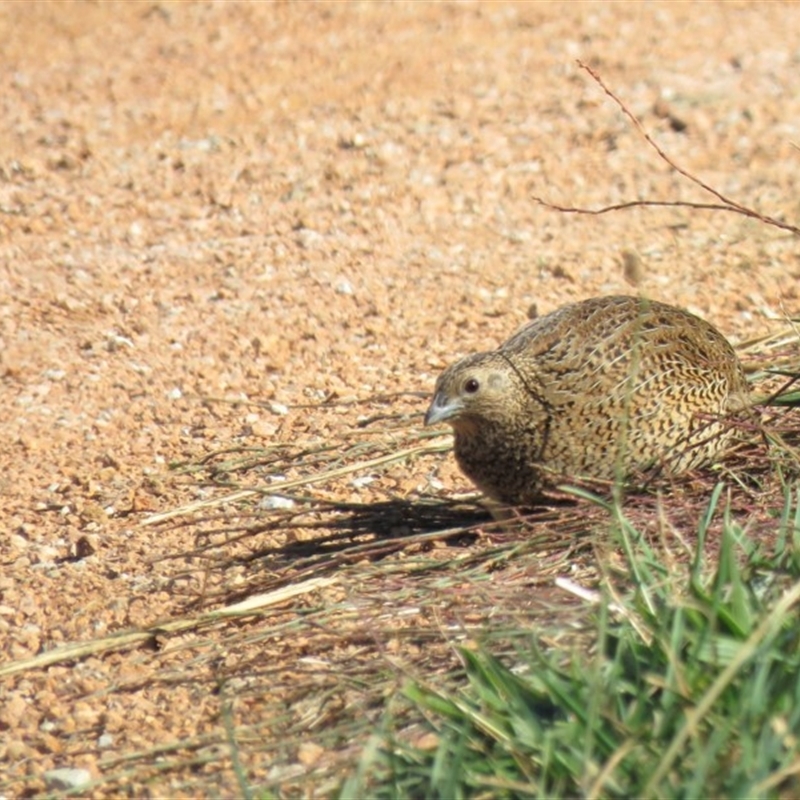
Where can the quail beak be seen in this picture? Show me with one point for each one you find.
(443, 408)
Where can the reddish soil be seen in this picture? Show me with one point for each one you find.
(215, 217)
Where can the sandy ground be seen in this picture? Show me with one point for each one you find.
(216, 216)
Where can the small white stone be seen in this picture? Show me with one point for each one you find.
(105, 741)
(276, 501)
(55, 374)
(175, 394)
(135, 231)
(278, 408)
(343, 286)
(309, 239)
(66, 778)
(114, 341)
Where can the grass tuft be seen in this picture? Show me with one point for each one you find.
(691, 689)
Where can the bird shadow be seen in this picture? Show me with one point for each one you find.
(379, 528)
(349, 533)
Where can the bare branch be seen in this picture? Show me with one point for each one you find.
(634, 203)
(725, 204)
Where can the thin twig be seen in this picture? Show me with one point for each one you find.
(281, 487)
(725, 204)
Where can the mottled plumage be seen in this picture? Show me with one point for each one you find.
(598, 389)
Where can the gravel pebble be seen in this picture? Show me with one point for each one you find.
(66, 778)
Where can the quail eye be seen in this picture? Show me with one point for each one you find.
(471, 385)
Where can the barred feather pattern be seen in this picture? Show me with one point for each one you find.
(598, 389)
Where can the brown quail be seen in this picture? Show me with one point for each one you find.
(598, 389)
